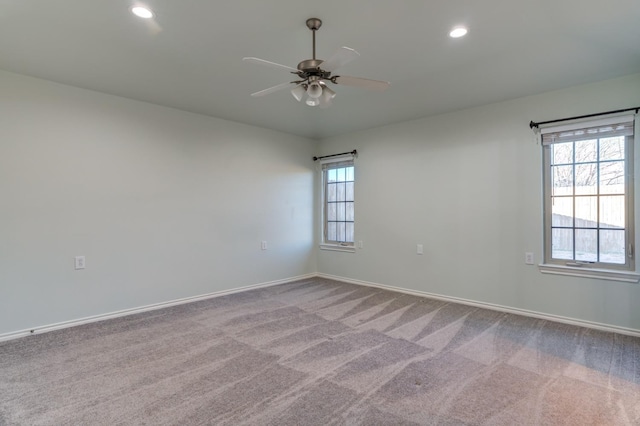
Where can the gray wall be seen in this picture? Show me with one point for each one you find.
(164, 204)
(167, 204)
(468, 186)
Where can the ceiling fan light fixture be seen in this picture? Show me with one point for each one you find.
(312, 101)
(327, 96)
(298, 92)
(327, 93)
(314, 90)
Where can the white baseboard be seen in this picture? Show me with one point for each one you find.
(500, 308)
(132, 311)
(494, 307)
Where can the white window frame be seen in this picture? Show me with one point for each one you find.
(325, 164)
(601, 270)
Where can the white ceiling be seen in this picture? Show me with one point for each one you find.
(189, 56)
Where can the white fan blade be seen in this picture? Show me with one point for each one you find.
(271, 89)
(268, 64)
(364, 83)
(340, 57)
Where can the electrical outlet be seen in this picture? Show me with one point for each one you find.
(79, 262)
(528, 258)
(420, 249)
(263, 245)
(360, 244)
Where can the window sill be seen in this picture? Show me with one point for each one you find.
(336, 247)
(602, 274)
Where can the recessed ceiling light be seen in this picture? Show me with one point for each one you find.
(458, 32)
(142, 12)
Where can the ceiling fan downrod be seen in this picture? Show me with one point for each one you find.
(311, 67)
(314, 25)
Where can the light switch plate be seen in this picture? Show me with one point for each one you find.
(528, 258)
(79, 262)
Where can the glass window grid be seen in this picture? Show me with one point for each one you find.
(598, 228)
(339, 204)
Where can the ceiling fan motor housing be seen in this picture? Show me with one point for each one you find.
(311, 67)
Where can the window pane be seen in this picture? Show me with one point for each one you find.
(562, 212)
(586, 179)
(562, 244)
(340, 191)
(612, 177)
(350, 213)
(349, 172)
(586, 212)
(588, 205)
(562, 153)
(612, 213)
(331, 211)
(562, 180)
(586, 151)
(331, 192)
(331, 231)
(612, 148)
(339, 203)
(340, 231)
(349, 237)
(349, 192)
(587, 245)
(340, 207)
(612, 246)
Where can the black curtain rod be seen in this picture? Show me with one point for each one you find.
(533, 124)
(354, 152)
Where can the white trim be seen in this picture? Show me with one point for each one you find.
(338, 247)
(494, 307)
(155, 306)
(602, 274)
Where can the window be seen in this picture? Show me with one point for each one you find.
(588, 202)
(338, 178)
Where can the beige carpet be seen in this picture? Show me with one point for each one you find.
(320, 352)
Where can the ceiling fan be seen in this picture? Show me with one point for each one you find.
(314, 74)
